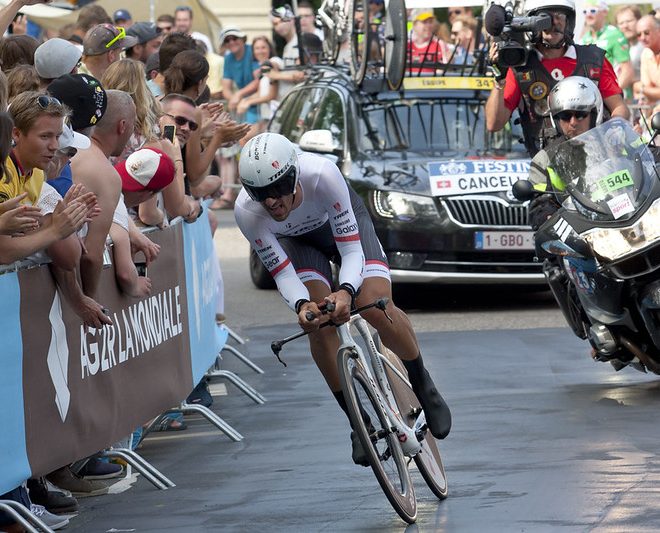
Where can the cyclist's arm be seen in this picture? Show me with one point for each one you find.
(333, 192)
(272, 256)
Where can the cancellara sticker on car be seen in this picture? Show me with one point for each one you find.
(476, 176)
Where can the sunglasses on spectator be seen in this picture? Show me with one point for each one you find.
(44, 101)
(566, 116)
(69, 152)
(590, 11)
(182, 121)
(121, 35)
(230, 39)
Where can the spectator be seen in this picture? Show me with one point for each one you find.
(165, 23)
(149, 39)
(239, 81)
(268, 95)
(17, 50)
(308, 18)
(457, 11)
(54, 58)
(102, 46)
(283, 25)
(312, 48)
(648, 31)
(626, 20)
(462, 33)
(183, 21)
(22, 78)
(609, 38)
(128, 76)
(187, 74)
(423, 47)
(151, 68)
(89, 16)
(122, 18)
(172, 44)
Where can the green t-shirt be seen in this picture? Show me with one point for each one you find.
(610, 39)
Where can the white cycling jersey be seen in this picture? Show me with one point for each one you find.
(325, 198)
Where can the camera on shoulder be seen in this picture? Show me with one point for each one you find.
(510, 33)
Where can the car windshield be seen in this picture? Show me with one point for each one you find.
(608, 170)
(451, 126)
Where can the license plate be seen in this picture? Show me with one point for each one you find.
(504, 240)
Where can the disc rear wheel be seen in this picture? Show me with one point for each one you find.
(380, 443)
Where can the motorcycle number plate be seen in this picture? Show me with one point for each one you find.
(504, 240)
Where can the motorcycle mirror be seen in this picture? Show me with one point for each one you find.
(655, 122)
(523, 190)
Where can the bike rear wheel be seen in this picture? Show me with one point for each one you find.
(360, 36)
(428, 460)
(379, 442)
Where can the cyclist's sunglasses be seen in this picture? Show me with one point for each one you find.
(44, 101)
(182, 121)
(121, 35)
(566, 116)
(282, 187)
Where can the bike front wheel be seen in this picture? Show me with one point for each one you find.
(380, 443)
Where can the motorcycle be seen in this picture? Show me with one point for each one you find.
(603, 243)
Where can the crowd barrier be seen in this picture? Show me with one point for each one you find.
(70, 391)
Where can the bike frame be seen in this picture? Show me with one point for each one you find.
(375, 369)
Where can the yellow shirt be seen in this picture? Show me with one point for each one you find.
(15, 182)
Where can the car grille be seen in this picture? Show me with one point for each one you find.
(485, 212)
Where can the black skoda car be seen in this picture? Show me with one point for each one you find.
(437, 184)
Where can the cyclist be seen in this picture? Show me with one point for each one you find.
(298, 213)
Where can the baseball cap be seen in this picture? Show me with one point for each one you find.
(84, 95)
(143, 31)
(121, 14)
(105, 37)
(284, 12)
(56, 57)
(422, 14)
(231, 30)
(72, 139)
(146, 169)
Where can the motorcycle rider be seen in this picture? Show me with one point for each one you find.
(553, 58)
(575, 106)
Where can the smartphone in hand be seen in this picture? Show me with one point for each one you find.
(141, 269)
(169, 132)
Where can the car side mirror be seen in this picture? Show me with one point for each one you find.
(320, 142)
(523, 190)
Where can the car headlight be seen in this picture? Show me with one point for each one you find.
(402, 206)
(614, 243)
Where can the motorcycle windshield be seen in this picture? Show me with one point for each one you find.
(608, 171)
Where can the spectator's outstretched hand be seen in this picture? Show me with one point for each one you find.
(17, 219)
(68, 219)
(78, 193)
(143, 287)
(141, 243)
(92, 313)
(228, 130)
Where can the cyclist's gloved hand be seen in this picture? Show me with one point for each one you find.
(342, 301)
(306, 324)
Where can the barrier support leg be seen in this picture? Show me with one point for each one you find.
(23, 516)
(241, 384)
(150, 473)
(234, 335)
(243, 358)
(211, 417)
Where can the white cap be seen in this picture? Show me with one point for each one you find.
(56, 57)
(72, 139)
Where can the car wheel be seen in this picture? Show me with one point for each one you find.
(258, 273)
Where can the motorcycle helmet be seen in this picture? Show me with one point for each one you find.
(268, 167)
(576, 93)
(534, 7)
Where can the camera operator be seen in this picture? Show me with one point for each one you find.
(552, 57)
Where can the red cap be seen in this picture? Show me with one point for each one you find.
(146, 169)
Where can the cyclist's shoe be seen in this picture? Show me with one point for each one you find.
(359, 455)
(438, 416)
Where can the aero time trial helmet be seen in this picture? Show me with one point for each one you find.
(576, 93)
(268, 167)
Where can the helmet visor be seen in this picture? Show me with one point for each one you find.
(282, 187)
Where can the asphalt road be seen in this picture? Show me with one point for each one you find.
(544, 439)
